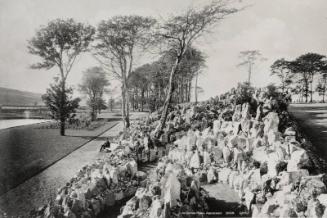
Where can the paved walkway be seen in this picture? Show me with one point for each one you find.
(36, 191)
(312, 119)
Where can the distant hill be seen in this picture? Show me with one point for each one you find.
(17, 97)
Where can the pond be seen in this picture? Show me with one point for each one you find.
(4, 124)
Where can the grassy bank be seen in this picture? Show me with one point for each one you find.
(27, 150)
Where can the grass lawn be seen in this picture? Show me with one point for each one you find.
(26, 150)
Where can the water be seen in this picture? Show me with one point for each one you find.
(4, 124)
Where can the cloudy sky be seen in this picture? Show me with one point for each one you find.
(278, 28)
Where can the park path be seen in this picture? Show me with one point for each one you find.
(36, 191)
(312, 119)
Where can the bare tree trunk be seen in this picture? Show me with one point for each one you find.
(250, 72)
(164, 113)
(62, 101)
(123, 105)
(189, 90)
(127, 107)
(142, 100)
(311, 92)
(196, 89)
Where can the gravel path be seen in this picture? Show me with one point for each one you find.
(312, 119)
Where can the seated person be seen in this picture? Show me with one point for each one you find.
(106, 145)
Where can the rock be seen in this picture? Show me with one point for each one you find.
(289, 131)
(155, 210)
(114, 175)
(246, 125)
(269, 207)
(323, 199)
(273, 137)
(238, 182)
(254, 180)
(227, 154)
(217, 154)
(96, 174)
(126, 212)
(312, 186)
(315, 209)
(260, 154)
(260, 198)
(69, 214)
(171, 190)
(255, 209)
(145, 202)
(287, 178)
(224, 174)
(299, 159)
(249, 198)
(259, 113)
(206, 158)
(246, 111)
(195, 160)
(96, 206)
(155, 189)
(109, 198)
(77, 206)
(216, 126)
(106, 176)
(237, 113)
(272, 164)
(141, 175)
(236, 128)
(242, 143)
(271, 122)
(287, 211)
(132, 167)
(231, 178)
(211, 175)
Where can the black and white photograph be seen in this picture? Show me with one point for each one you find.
(163, 108)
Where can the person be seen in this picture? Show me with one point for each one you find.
(106, 145)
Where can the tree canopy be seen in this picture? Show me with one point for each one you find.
(94, 83)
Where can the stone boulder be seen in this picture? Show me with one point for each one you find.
(212, 175)
(155, 210)
(287, 178)
(223, 175)
(171, 190)
(271, 122)
(260, 154)
(299, 159)
(237, 113)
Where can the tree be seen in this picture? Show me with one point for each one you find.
(243, 93)
(118, 40)
(111, 104)
(197, 90)
(60, 102)
(322, 86)
(307, 66)
(250, 58)
(94, 82)
(179, 32)
(59, 44)
(281, 68)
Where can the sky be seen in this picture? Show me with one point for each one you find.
(278, 28)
